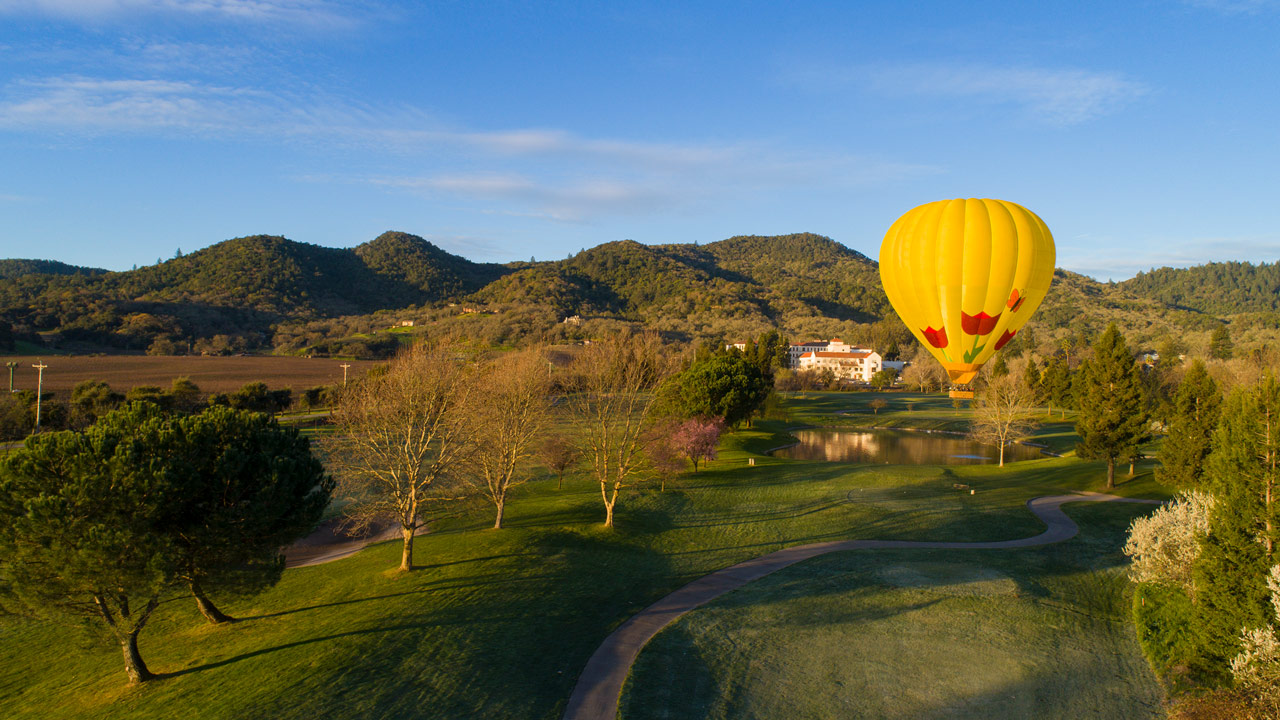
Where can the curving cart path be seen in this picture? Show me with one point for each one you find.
(599, 688)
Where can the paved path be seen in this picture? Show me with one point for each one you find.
(599, 688)
(329, 543)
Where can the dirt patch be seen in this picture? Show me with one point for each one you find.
(212, 374)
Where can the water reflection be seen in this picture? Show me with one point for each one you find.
(897, 447)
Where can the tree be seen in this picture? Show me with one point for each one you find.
(78, 532)
(1112, 422)
(884, 378)
(1242, 473)
(1170, 352)
(90, 399)
(925, 374)
(697, 438)
(1032, 379)
(998, 367)
(1165, 545)
(1220, 345)
(185, 395)
(613, 399)
(663, 456)
(15, 422)
(1256, 669)
(1056, 380)
(257, 397)
(505, 413)
(558, 455)
(400, 433)
(878, 404)
(1196, 409)
(254, 487)
(725, 385)
(1004, 413)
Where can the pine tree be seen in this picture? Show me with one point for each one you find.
(1031, 377)
(1220, 345)
(999, 368)
(1112, 421)
(1196, 409)
(1243, 476)
(1057, 384)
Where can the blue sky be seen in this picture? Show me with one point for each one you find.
(1144, 133)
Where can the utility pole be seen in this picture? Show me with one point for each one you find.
(344, 367)
(11, 366)
(39, 366)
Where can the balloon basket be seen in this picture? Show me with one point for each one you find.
(958, 394)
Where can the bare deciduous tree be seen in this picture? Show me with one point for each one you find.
(613, 398)
(925, 374)
(558, 454)
(400, 434)
(1004, 413)
(506, 412)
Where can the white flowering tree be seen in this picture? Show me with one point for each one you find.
(1165, 544)
(1257, 668)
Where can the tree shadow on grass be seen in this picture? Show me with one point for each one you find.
(444, 584)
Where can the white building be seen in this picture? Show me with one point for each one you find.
(859, 364)
(813, 346)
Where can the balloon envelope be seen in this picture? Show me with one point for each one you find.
(965, 275)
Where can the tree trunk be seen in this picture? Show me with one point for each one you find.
(608, 505)
(1002, 456)
(560, 482)
(497, 521)
(207, 608)
(1131, 468)
(1111, 473)
(134, 667)
(406, 556)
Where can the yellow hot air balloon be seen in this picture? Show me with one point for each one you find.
(965, 276)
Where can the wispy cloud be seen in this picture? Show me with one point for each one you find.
(1064, 96)
(275, 12)
(567, 202)
(95, 106)
(540, 172)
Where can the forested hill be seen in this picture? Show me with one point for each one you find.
(1220, 288)
(766, 278)
(271, 293)
(237, 288)
(13, 269)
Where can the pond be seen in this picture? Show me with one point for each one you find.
(897, 447)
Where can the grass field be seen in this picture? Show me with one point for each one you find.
(212, 374)
(1040, 633)
(498, 624)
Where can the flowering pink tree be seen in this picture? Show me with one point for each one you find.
(697, 438)
(666, 460)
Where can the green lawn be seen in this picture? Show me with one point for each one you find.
(1041, 633)
(497, 624)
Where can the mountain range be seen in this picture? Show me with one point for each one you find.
(267, 292)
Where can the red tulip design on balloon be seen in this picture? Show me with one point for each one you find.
(1006, 337)
(980, 324)
(936, 338)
